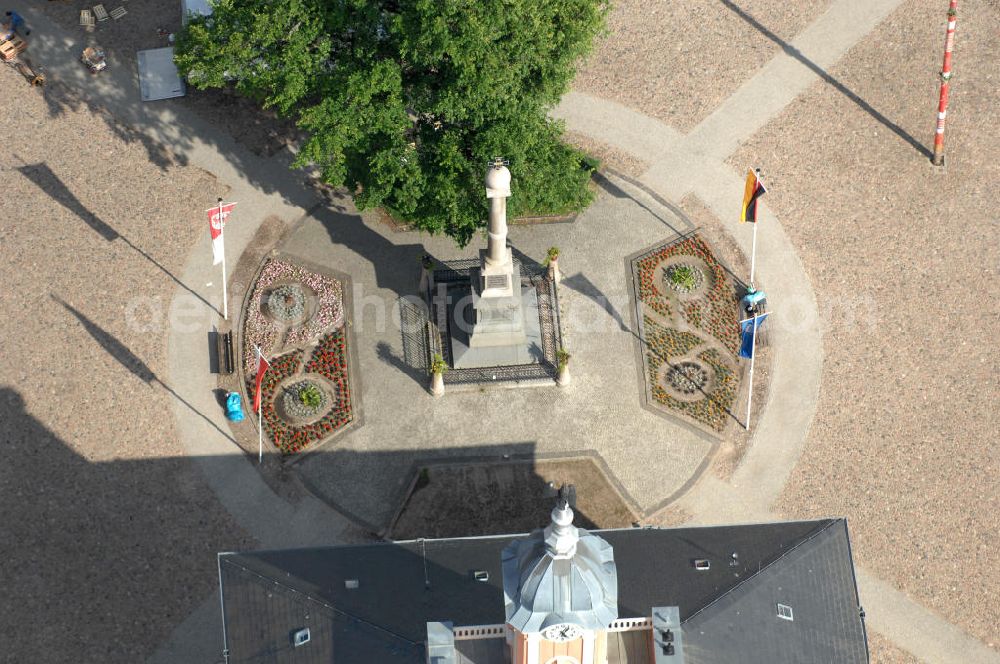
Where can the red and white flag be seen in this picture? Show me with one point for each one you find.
(262, 367)
(217, 218)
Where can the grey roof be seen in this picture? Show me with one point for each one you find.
(816, 580)
(402, 586)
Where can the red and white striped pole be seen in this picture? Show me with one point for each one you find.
(949, 43)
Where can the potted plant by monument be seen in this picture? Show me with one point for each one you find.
(438, 367)
(562, 363)
(552, 262)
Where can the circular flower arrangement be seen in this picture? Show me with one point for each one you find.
(304, 400)
(275, 335)
(683, 277)
(328, 360)
(687, 377)
(286, 303)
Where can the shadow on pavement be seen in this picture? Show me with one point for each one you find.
(607, 185)
(109, 555)
(584, 286)
(42, 176)
(793, 52)
(124, 356)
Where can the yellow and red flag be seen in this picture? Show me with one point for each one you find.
(754, 190)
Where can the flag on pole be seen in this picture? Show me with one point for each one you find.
(217, 218)
(262, 367)
(753, 191)
(748, 330)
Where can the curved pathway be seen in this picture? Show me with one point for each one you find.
(680, 165)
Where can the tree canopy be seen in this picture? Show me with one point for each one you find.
(404, 102)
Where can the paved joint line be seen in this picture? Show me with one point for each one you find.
(787, 75)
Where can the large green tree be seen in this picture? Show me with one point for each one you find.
(404, 102)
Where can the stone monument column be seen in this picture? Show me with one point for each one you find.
(497, 190)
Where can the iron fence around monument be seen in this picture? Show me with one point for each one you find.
(459, 272)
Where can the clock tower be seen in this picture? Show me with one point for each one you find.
(560, 593)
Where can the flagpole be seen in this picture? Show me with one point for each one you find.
(753, 355)
(225, 294)
(260, 419)
(753, 254)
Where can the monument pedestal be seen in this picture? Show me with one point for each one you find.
(498, 305)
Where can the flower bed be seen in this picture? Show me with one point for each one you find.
(329, 360)
(714, 312)
(665, 342)
(682, 319)
(274, 337)
(715, 408)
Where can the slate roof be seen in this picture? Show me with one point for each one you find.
(728, 611)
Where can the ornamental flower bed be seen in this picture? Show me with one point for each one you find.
(713, 410)
(696, 322)
(274, 337)
(329, 360)
(665, 343)
(714, 312)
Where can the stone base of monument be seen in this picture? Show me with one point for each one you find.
(515, 340)
(520, 351)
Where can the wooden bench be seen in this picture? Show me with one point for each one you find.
(227, 364)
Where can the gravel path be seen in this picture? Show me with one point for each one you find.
(676, 61)
(109, 533)
(905, 257)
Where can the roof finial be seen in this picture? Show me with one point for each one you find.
(561, 535)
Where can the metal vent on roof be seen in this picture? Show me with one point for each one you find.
(702, 564)
(481, 575)
(785, 612)
(351, 584)
(300, 637)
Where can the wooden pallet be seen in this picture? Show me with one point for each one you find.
(10, 48)
(86, 18)
(100, 13)
(118, 12)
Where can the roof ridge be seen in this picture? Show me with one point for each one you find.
(322, 603)
(768, 566)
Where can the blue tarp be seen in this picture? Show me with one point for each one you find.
(234, 407)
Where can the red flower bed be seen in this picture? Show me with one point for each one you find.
(328, 359)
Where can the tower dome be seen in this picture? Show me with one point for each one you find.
(558, 576)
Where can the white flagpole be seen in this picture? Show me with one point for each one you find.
(753, 355)
(225, 294)
(260, 416)
(753, 253)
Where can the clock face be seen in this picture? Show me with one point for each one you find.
(562, 632)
